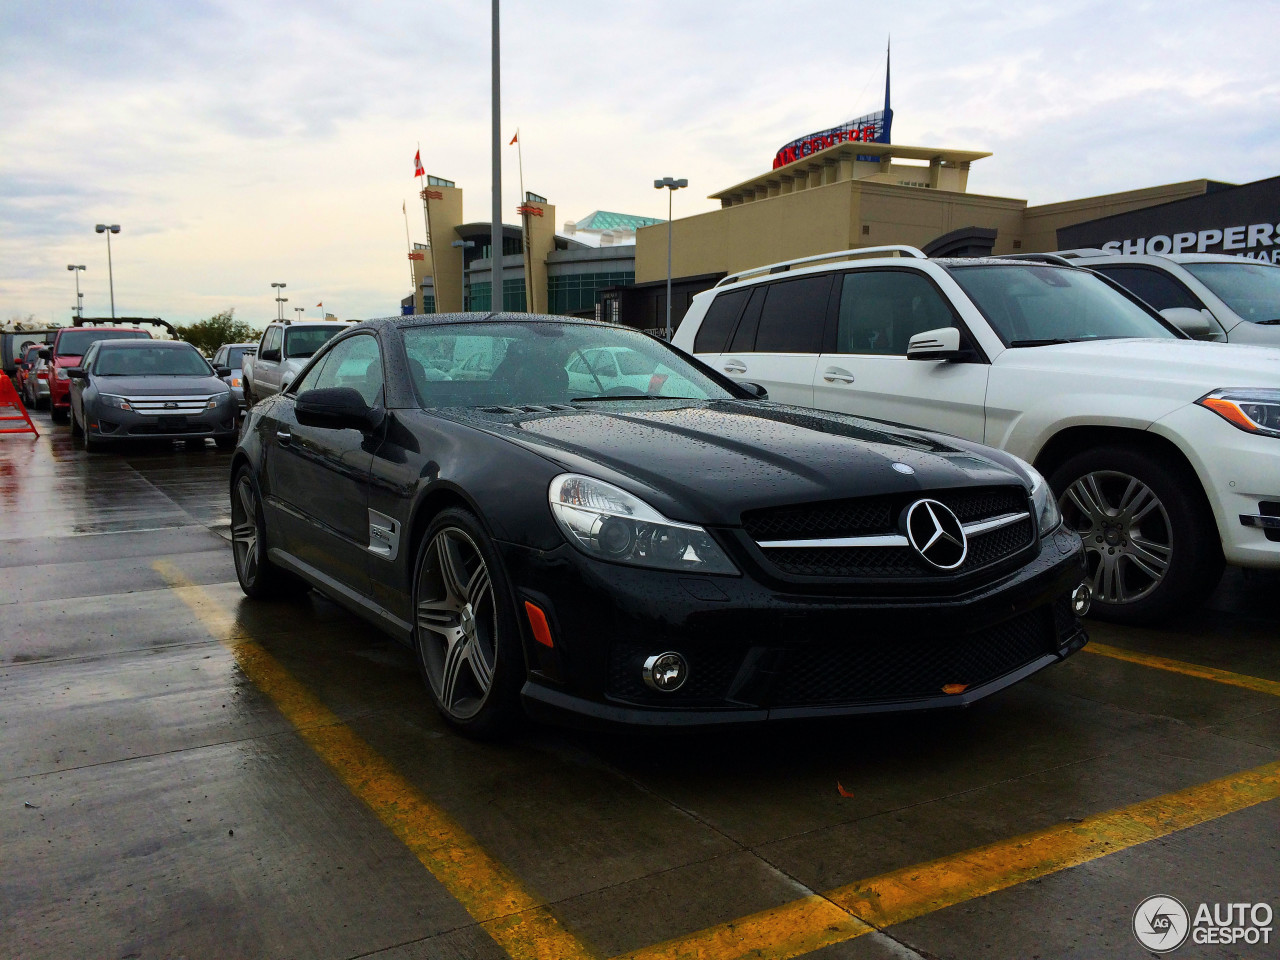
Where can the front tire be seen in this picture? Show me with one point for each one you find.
(76, 429)
(1150, 539)
(259, 578)
(465, 629)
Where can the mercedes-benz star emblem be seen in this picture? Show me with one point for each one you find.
(935, 533)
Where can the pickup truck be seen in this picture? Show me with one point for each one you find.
(283, 350)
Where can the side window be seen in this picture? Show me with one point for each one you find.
(719, 321)
(794, 315)
(311, 380)
(272, 340)
(355, 363)
(90, 355)
(1154, 286)
(881, 310)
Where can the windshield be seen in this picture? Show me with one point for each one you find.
(150, 362)
(303, 343)
(73, 343)
(1252, 290)
(488, 364)
(1030, 304)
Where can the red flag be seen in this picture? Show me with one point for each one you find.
(319, 304)
(417, 165)
(514, 139)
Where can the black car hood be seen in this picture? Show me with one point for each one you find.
(707, 462)
(161, 386)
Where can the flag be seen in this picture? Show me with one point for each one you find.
(403, 208)
(514, 139)
(417, 165)
(319, 304)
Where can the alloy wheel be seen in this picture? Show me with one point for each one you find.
(1127, 536)
(457, 623)
(244, 530)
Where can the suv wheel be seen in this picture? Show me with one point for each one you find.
(1150, 542)
(465, 628)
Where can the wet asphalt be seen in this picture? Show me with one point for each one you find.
(160, 799)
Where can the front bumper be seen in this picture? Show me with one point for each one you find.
(756, 653)
(115, 424)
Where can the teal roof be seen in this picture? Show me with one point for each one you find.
(604, 220)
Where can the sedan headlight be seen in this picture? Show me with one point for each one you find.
(610, 524)
(235, 382)
(120, 403)
(1048, 516)
(60, 373)
(1251, 409)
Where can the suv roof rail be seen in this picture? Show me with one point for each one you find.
(785, 265)
(1054, 258)
(153, 321)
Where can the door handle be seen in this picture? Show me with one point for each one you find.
(837, 375)
(735, 366)
(284, 436)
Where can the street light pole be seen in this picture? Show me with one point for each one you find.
(298, 311)
(465, 245)
(79, 296)
(109, 230)
(495, 228)
(279, 288)
(672, 186)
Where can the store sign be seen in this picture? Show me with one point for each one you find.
(1254, 241)
(873, 128)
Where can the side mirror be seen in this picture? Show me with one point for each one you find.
(271, 355)
(45, 354)
(940, 344)
(757, 391)
(1194, 323)
(336, 408)
(222, 371)
(77, 373)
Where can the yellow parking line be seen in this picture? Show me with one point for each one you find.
(1188, 669)
(520, 923)
(911, 892)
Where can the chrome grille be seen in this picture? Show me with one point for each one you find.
(183, 406)
(806, 540)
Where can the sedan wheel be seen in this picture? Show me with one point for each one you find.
(465, 632)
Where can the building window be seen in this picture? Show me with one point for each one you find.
(428, 303)
(513, 299)
(576, 293)
(866, 229)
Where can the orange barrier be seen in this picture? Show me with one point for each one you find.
(9, 398)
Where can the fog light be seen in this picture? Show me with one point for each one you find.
(665, 672)
(1081, 599)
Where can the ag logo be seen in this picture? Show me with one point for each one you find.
(1161, 924)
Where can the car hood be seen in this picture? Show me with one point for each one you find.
(707, 462)
(1195, 366)
(161, 386)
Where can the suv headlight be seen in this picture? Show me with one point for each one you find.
(1251, 409)
(1048, 516)
(610, 524)
(120, 403)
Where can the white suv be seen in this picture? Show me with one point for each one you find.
(1209, 296)
(1164, 451)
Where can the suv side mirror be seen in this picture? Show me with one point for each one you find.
(77, 373)
(1192, 322)
(271, 355)
(755, 389)
(336, 408)
(940, 344)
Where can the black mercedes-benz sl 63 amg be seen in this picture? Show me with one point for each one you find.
(574, 518)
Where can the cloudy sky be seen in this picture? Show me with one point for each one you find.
(241, 143)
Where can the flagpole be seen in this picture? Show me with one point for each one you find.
(404, 208)
(532, 305)
(426, 223)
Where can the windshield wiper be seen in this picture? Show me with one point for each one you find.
(1269, 323)
(1048, 341)
(642, 396)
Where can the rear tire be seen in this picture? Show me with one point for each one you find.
(465, 633)
(259, 577)
(56, 415)
(1150, 540)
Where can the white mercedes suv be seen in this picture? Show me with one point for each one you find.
(1164, 451)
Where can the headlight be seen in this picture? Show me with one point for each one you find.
(1251, 409)
(60, 373)
(610, 524)
(120, 403)
(235, 382)
(1048, 516)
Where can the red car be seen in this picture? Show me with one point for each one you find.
(68, 347)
